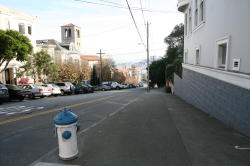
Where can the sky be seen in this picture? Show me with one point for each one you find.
(105, 27)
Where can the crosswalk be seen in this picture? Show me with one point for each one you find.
(18, 110)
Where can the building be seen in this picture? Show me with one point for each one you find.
(216, 68)
(66, 51)
(19, 21)
(92, 60)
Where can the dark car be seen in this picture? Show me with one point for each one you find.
(66, 87)
(102, 87)
(18, 93)
(79, 89)
(4, 94)
(90, 87)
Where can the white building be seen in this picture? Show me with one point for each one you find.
(216, 68)
(15, 20)
(66, 51)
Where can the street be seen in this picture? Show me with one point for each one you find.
(27, 127)
(121, 127)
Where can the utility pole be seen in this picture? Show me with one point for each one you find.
(100, 53)
(148, 89)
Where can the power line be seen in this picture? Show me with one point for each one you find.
(116, 5)
(143, 15)
(135, 24)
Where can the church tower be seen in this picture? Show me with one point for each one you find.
(71, 37)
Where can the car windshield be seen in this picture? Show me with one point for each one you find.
(60, 84)
(14, 87)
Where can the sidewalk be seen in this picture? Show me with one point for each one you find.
(159, 129)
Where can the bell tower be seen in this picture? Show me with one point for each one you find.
(71, 37)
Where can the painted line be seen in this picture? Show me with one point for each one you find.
(26, 110)
(52, 110)
(11, 113)
(242, 148)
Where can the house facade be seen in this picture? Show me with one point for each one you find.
(216, 68)
(19, 21)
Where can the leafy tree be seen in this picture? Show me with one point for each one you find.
(118, 77)
(94, 79)
(13, 46)
(165, 68)
(174, 53)
(40, 66)
(157, 72)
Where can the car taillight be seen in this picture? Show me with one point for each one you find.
(40, 90)
(53, 88)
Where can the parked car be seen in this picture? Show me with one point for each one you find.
(4, 94)
(54, 89)
(113, 85)
(18, 93)
(90, 87)
(102, 87)
(66, 87)
(36, 90)
(132, 86)
(79, 89)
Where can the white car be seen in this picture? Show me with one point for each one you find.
(37, 90)
(116, 85)
(54, 89)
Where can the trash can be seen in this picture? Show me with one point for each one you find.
(66, 128)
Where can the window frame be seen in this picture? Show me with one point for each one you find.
(21, 30)
(219, 42)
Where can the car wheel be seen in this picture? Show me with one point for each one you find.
(32, 96)
(21, 99)
(41, 96)
(62, 93)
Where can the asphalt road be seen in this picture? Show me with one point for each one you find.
(26, 128)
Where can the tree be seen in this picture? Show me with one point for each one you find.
(118, 77)
(13, 46)
(164, 69)
(40, 66)
(94, 79)
(157, 72)
(174, 53)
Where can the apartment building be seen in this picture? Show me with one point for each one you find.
(19, 21)
(216, 68)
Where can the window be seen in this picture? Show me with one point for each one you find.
(196, 13)
(202, 11)
(197, 56)
(186, 57)
(190, 20)
(69, 31)
(66, 33)
(78, 33)
(21, 28)
(7, 24)
(222, 55)
(185, 28)
(29, 30)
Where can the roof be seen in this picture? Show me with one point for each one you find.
(70, 25)
(90, 57)
(16, 14)
(51, 42)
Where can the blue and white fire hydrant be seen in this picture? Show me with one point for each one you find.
(66, 128)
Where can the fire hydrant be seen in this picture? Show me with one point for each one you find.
(66, 128)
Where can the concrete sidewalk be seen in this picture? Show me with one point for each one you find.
(158, 129)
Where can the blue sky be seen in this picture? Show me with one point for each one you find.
(104, 27)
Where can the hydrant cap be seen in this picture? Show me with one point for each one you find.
(65, 117)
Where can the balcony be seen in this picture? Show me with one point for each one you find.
(182, 4)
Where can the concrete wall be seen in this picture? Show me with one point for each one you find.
(223, 18)
(226, 102)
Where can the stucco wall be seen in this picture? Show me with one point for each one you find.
(228, 18)
(226, 102)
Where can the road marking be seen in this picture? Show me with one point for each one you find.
(52, 110)
(241, 148)
(51, 164)
(10, 113)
